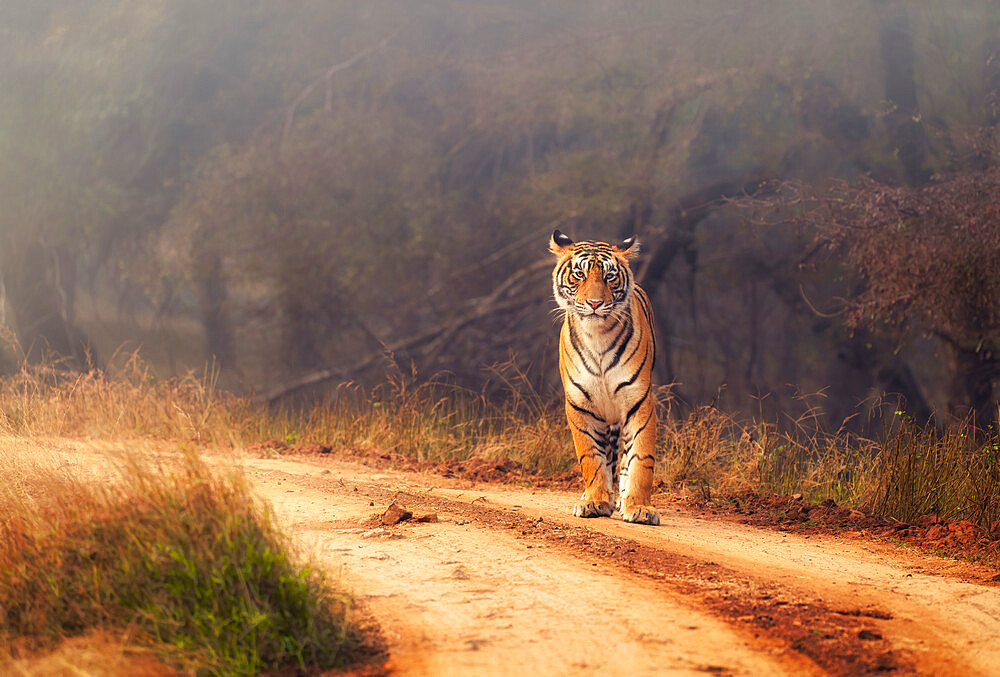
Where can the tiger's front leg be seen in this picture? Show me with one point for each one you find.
(636, 471)
(588, 438)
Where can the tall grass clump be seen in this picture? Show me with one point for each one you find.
(183, 559)
(900, 470)
(124, 401)
(953, 472)
(724, 453)
(433, 421)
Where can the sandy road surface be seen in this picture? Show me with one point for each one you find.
(456, 598)
(508, 581)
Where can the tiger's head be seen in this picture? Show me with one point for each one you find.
(592, 279)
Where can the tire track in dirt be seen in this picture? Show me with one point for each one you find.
(468, 596)
(817, 603)
(936, 608)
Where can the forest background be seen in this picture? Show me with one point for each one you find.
(294, 192)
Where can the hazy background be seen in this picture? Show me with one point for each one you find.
(291, 187)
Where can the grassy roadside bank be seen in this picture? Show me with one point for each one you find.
(180, 564)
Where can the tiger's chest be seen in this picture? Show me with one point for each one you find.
(599, 366)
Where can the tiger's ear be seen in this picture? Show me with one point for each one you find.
(629, 248)
(560, 243)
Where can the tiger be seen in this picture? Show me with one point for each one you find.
(607, 350)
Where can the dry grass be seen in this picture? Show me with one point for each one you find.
(897, 470)
(127, 402)
(431, 421)
(176, 557)
(900, 470)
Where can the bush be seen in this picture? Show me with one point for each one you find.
(186, 559)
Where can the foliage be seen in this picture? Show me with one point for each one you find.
(310, 214)
(918, 260)
(185, 559)
(306, 184)
(926, 256)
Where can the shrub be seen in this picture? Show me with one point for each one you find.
(184, 558)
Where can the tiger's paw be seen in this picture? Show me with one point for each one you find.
(641, 514)
(592, 509)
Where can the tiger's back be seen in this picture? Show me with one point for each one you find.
(607, 350)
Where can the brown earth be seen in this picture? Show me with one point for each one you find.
(846, 604)
(471, 578)
(928, 532)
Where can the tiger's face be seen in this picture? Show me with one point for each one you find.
(592, 279)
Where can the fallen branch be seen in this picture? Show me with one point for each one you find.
(433, 338)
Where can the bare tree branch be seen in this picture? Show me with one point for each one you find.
(433, 339)
(327, 76)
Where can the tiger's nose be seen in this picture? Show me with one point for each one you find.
(595, 303)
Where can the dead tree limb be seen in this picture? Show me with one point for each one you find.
(495, 303)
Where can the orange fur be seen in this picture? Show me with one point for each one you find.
(607, 350)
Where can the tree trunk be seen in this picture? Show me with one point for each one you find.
(685, 216)
(906, 131)
(991, 83)
(39, 289)
(303, 331)
(973, 376)
(215, 321)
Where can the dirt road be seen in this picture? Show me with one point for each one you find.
(506, 581)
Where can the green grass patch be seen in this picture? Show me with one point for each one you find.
(185, 559)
